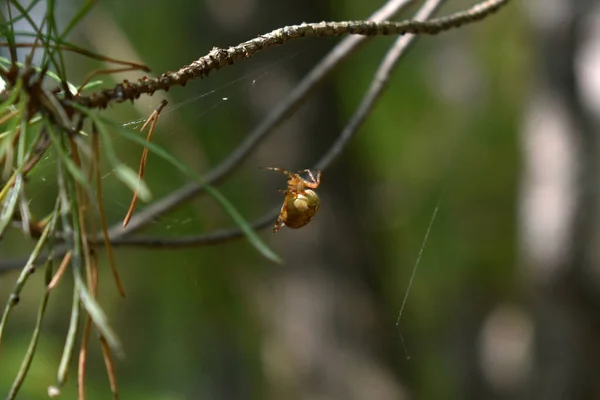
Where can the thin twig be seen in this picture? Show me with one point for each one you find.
(83, 350)
(65, 359)
(212, 238)
(82, 361)
(26, 363)
(376, 88)
(60, 271)
(26, 272)
(153, 119)
(66, 47)
(102, 214)
(217, 58)
(109, 365)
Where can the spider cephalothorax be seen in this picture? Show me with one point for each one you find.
(301, 202)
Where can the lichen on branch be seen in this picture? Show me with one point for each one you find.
(218, 58)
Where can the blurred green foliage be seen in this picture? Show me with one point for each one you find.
(189, 324)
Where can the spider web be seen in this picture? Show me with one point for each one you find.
(209, 102)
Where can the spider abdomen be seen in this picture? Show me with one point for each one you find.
(301, 208)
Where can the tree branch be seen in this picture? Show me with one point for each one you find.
(211, 238)
(376, 88)
(218, 58)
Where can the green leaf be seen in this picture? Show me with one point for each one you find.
(123, 172)
(251, 234)
(73, 169)
(131, 179)
(98, 316)
(92, 85)
(9, 204)
(72, 47)
(83, 11)
(11, 125)
(4, 25)
(51, 74)
(225, 204)
(72, 88)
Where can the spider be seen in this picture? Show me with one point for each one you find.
(300, 204)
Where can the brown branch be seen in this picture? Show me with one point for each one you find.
(64, 47)
(218, 236)
(153, 119)
(218, 58)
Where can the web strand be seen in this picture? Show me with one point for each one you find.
(414, 271)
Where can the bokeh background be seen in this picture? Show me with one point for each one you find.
(493, 125)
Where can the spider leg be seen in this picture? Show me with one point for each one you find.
(283, 171)
(313, 181)
(279, 223)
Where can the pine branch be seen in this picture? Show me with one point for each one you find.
(218, 58)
